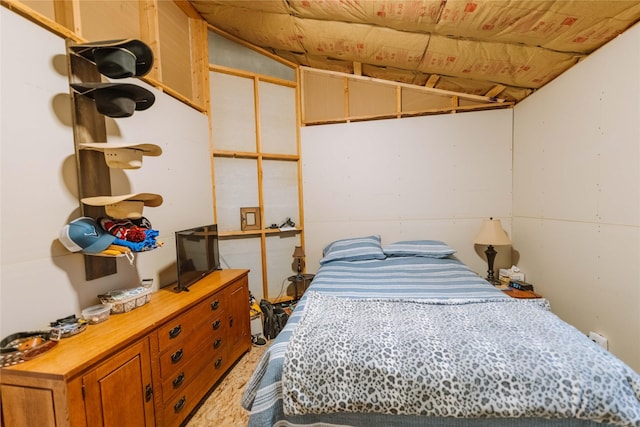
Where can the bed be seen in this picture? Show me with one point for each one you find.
(407, 335)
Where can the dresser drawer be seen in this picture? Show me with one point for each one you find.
(176, 355)
(210, 351)
(176, 408)
(187, 323)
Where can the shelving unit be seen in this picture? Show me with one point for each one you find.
(89, 126)
(93, 173)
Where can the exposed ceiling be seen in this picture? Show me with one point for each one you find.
(498, 48)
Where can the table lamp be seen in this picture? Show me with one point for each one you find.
(491, 234)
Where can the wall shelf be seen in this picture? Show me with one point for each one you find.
(253, 155)
(255, 233)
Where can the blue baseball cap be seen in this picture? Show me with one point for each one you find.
(84, 234)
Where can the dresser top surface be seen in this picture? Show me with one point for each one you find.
(74, 354)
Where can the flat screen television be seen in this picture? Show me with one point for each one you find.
(196, 254)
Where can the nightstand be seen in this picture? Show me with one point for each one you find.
(517, 293)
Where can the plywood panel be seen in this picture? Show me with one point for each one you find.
(413, 100)
(123, 18)
(368, 99)
(328, 88)
(175, 48)
(278, 122)
(44, 7)
(232, 113)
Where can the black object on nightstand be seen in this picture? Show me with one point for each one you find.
(298, 279)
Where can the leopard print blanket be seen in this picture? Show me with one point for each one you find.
(462, 358)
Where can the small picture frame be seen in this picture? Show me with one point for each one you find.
(249, 219)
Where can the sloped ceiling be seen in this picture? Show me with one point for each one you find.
(505, 49)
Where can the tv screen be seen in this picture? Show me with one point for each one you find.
(196, 254)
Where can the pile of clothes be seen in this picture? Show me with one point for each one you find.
(109, 236)
(135, 234)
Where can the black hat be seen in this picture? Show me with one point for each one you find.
(116, 99)
(117, 59)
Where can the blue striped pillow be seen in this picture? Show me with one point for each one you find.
(354, 249)
(424, 248)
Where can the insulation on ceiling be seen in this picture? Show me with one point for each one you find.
(470, 45)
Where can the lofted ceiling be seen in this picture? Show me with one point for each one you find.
(498, 48)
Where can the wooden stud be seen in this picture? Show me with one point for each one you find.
(347, 110)
(357, 68)
(495, 91)
(433, 80)
(150, 33)
(200, 59)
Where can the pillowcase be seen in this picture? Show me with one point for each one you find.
(424, 248)
(354, 249)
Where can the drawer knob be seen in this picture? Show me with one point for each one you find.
(217, 343)
(148, 393)
(218, 363)
(215, 325)
(231, 321)
(178, 406)
(215, 305)
(177, 381)
(175, 357)
(174, 332)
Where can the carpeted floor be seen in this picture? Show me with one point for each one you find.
(222, 407)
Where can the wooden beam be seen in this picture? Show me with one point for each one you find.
(433, 79)
(461, 95)
(495, 91)
(417, 113)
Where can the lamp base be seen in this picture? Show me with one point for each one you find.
(491, 256)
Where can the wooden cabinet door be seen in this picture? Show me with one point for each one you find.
(120, 392)
(238, 317)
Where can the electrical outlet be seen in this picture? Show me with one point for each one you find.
(599, 339)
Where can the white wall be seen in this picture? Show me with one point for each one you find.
(433, 177)
(576, 213)
(40, 280)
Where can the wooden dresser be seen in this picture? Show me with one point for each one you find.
(148, 367)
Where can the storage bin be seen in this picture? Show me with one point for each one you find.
(125, 300)
(96, 313)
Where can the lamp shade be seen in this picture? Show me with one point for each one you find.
(492, 233)
(298, 252)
